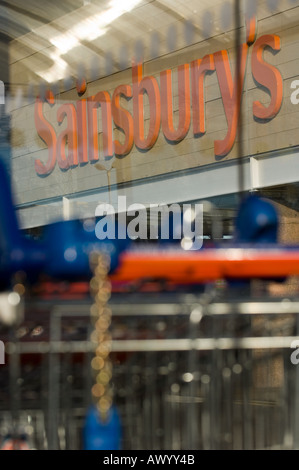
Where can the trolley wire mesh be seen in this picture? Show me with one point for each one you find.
(190, 371)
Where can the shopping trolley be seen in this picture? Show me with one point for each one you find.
(198, 359)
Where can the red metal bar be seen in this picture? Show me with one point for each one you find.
(207, 265)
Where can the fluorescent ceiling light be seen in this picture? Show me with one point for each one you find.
(89, 29)
(64, 43)
(93, 26)
(57, 71)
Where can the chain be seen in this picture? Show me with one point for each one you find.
(101, 364)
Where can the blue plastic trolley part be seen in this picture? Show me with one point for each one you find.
(63, 252)
(257, 221)
(102, 435)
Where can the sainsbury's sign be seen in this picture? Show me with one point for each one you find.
(78, 143)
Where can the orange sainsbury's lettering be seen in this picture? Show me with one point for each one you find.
(267, 76)
(101, 99)
(68, 137)
(251, 24)
(123, 120)
(148, 85)
(170, 133)
(47, 133)
(82, 130)
(153, 107)
(230, 98)
(199, 68)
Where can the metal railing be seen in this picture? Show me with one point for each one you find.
(190, 372)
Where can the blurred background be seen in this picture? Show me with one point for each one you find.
(161, 102)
